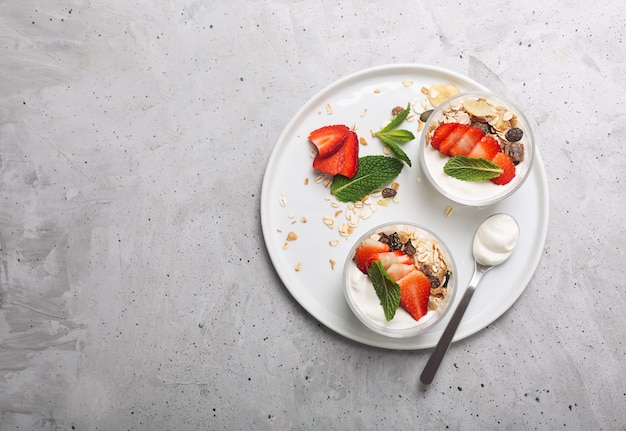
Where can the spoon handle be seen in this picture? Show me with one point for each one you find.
(446, 339)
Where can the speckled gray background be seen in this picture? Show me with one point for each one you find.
(136, 291)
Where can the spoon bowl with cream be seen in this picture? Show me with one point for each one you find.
(494, 242)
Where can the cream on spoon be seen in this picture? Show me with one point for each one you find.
(495, 239)
(494, 242)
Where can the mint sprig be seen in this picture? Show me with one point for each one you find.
(393, 137)
(472, 169)
(387, 290)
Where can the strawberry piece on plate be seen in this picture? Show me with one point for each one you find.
(505, 162)
(365, 250)
(414, 293)
(486, 148)
(328, 139)
(332, 164)
(350, 155)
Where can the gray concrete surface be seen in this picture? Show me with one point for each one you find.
(136, 289)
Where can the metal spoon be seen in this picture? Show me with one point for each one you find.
(485, 258)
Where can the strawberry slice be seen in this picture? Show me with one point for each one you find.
(442, 131)
(351, 155)
(455, 138)
(332, 164)
(466, 143)
(365, 250)
(328, 139)
(414, 293)
(398, 270)
(455, 132)
(486, 148)
(390, 258)
(505, 162)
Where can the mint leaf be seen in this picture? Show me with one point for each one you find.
(395, 148)
(388, 291)
(397, 120)
(373, 173)
(401, 135)
(472, 169)
(393, 137)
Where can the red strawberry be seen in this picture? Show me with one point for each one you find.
(398, 270)
(392, 257)
(328, 139)
(332, 164)
(466, 143)
(351, 155)
(367, 248)
(505, 162)
(414, 293)
(455, 139)
(486, 148)
(442, 131)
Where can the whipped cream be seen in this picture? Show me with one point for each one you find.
(495, 239)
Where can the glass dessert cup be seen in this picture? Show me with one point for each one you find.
(364, 302)
(503, 117)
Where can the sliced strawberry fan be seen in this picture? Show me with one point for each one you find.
(414, 284)
(455, 139)
(337, 150)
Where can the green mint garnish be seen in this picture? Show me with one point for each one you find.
(388, 291)
(395, 147)
(397, 120)
(393, 137)
(373, 173)
(471, 169)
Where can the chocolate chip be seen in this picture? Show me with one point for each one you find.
(515, 151)
(482, 126)
(514, 134)
(394, 242)
(409, 249)
(395, 111)
(388, 192)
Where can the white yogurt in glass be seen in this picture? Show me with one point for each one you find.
(366, 299)
(467, 191)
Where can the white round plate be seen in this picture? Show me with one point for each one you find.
(292, 201)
